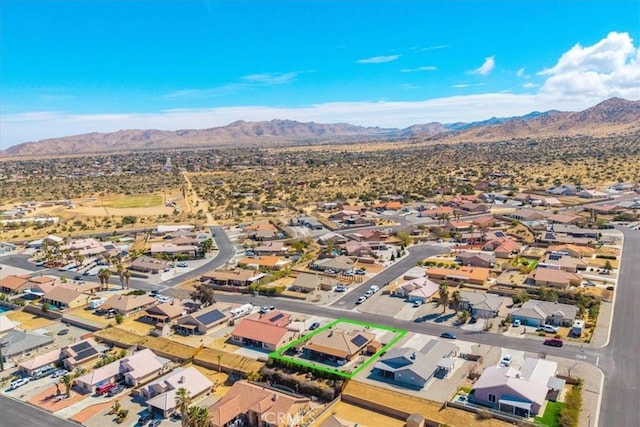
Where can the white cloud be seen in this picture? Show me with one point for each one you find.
(248, 81)
(529, 85)
(428, 48)
(520, 73)
(611, 67)
(408, 86)
(413, 70)
(378, 59)
(486, 67)
(582, 77)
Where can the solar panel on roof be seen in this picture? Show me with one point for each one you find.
(210, 317)
(84, 354)
(499, 234)
(276, 317)
(80, 347)
(359, 340)
(555, 257)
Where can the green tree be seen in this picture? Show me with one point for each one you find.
(198, 417)
(67, 381)
(104, 275)
(456, 299)
(119, 318)
(183, 400)
(204, 294)
(443, 297)
(608, 266)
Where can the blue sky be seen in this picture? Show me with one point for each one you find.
(80, 66)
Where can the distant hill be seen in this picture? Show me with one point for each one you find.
(613, 116)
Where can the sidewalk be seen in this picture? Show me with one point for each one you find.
(601, 332)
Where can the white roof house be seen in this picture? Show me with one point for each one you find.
(161, 394)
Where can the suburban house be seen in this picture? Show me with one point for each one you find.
(49, 359)
(63, 298)
(563, 190)
(80, 353)
(564, 262)
(357, 248)
(250, 404)
(593, 194)
(38, 286)
(160, 394)
(339, 264)
(436, 213)
(332, 238)
(555, 278)
(537, 313)
(306, 282)
(414, 368)
(266, 262)
(306, 221)
(134, 369)
(129, 304)
(574, 231)
(473, 207)
(459, 226)
(505, 248)
(367, 236)
(526, 214)
(337, 344)
(201, 321)
(405, 289)
(520, 392)
(261, 231)
(172, 249)
(476, 259)
(235, 277)
(163, 313)
(565, 219)
(264, 334)
(480, 304)
(147, 264)
(14, 284)
(271, 248)
(484, 221)
(472, 275)
(343, 215)
(573, 250)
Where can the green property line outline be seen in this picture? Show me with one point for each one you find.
(277, 354)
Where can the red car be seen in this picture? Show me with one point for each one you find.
(554, 342)
(105, 388)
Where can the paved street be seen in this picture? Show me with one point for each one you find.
(18, 414)
(416, 253)
(620, 363)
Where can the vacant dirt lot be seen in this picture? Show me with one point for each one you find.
(29, 321)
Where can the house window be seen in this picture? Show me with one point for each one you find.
(492, 398)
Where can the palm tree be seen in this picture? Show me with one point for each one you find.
(104, 275)
(183, 399)
(67, 380)
(199, 417)
(443, 298)
(121, 270)
(456, 298)
(127, 276)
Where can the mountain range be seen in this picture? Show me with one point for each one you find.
(613, 116)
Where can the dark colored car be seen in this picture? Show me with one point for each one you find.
(448, 335)
(314, 326)
(554, 342)
(63, 332)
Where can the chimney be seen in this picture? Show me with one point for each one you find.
(181, 381)
(413, 356)
(274, 397)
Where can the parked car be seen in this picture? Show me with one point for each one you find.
(368, 293)
(548, 328)
(360, 272)
(506, 360)
(63, 332)
(448, 335)
(77, 278)
(154, 293)
(516, 323)
(554, 342)
(18, 383)
(267, 308)
(155, 423)
(314, 326)
(340, 288)
(473, 320)
(361, 300)
(182, 264)
(59, 373)
(117, 389)
(417, 303)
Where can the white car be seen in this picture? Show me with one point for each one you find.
(417, 303)
(361, 299)
(18, 383)
(549, 329)
(506, 360)
(368, 293)
(59, 373)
